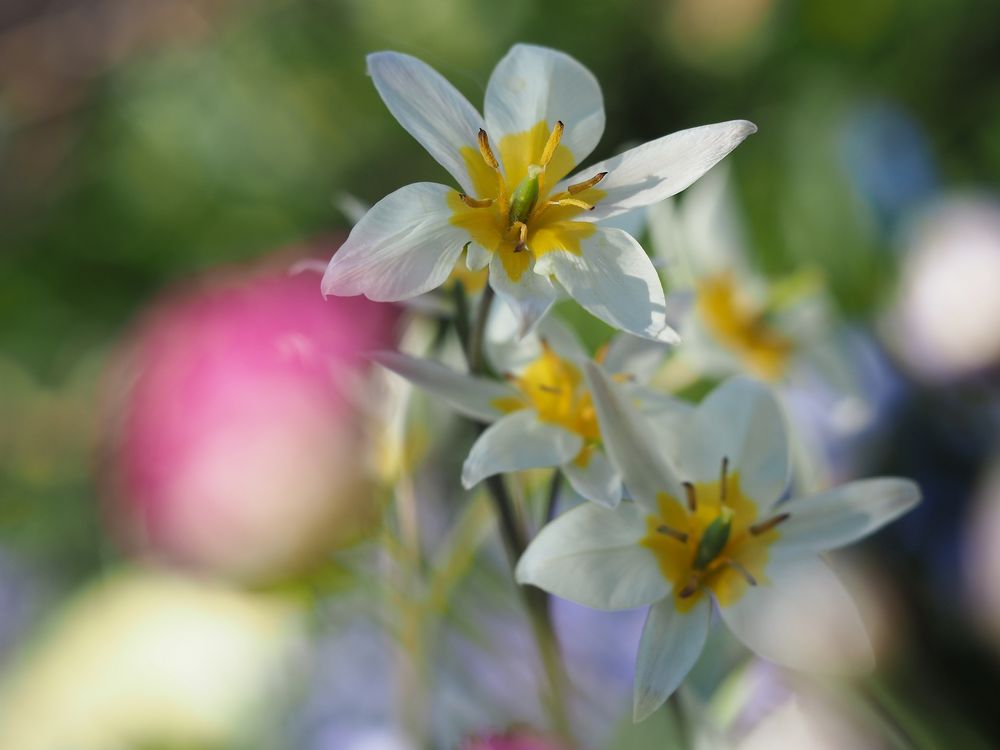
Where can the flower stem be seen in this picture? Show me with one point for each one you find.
(478, 332)
(515, 541)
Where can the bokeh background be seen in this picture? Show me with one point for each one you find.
(162, 165)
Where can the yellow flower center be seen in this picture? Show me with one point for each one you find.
(711, 542)
(513, 212)
(554, 388)
(742, 326)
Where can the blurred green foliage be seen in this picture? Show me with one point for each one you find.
(229, 144)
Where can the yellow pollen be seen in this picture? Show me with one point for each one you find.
(677, 530)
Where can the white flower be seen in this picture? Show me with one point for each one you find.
(542, 414)
(516, 210)
(737, 320)
(706, 525)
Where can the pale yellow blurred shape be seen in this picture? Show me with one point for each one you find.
(144, 657)
(708, 32)
(801, 724)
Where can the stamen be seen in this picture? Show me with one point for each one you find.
(475, 202)
(579, 187)
(722, 480)
(486, 151)
(550, 146)
(691, 496)
(741, 569)
(522, 233)
(572, 202)
(765, 526)
(673, 533)
(689, 589)
(549, 388)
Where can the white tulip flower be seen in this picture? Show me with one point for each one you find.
(707, 525)
(516, 211)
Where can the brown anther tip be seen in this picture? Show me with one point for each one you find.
(692, 497)
(765, 526)
(482, 133)
(688, 591)
(673, 533)
(560, 123)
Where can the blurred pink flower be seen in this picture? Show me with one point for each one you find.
(237, 445)
(513, 740)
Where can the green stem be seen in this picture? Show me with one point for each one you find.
(515, 541)
(478, 332)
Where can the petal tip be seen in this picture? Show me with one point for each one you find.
(644, 704)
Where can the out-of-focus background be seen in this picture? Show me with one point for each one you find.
(198, 548)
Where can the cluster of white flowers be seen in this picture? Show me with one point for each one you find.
(689, 505)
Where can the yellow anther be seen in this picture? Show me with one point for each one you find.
(579, 187)
(486, 151)
(552, 144)
(475, 202)
(522, 236)
(572, 202)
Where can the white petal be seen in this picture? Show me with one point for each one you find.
(404, 246)
(658, 169)
(668, 418)
(843, 515)
(742, 421)
(629, 440)
(598, 480)
(671, 644)
(477, 257)
(591, 555)
(508, 353)
(515, 442)
(635, 356)
(802, 618)
(614, 280)
(536, 84)
(429, 108)
(475, 397)
(530, 297)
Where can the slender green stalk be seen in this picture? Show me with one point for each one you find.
(515, 541)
